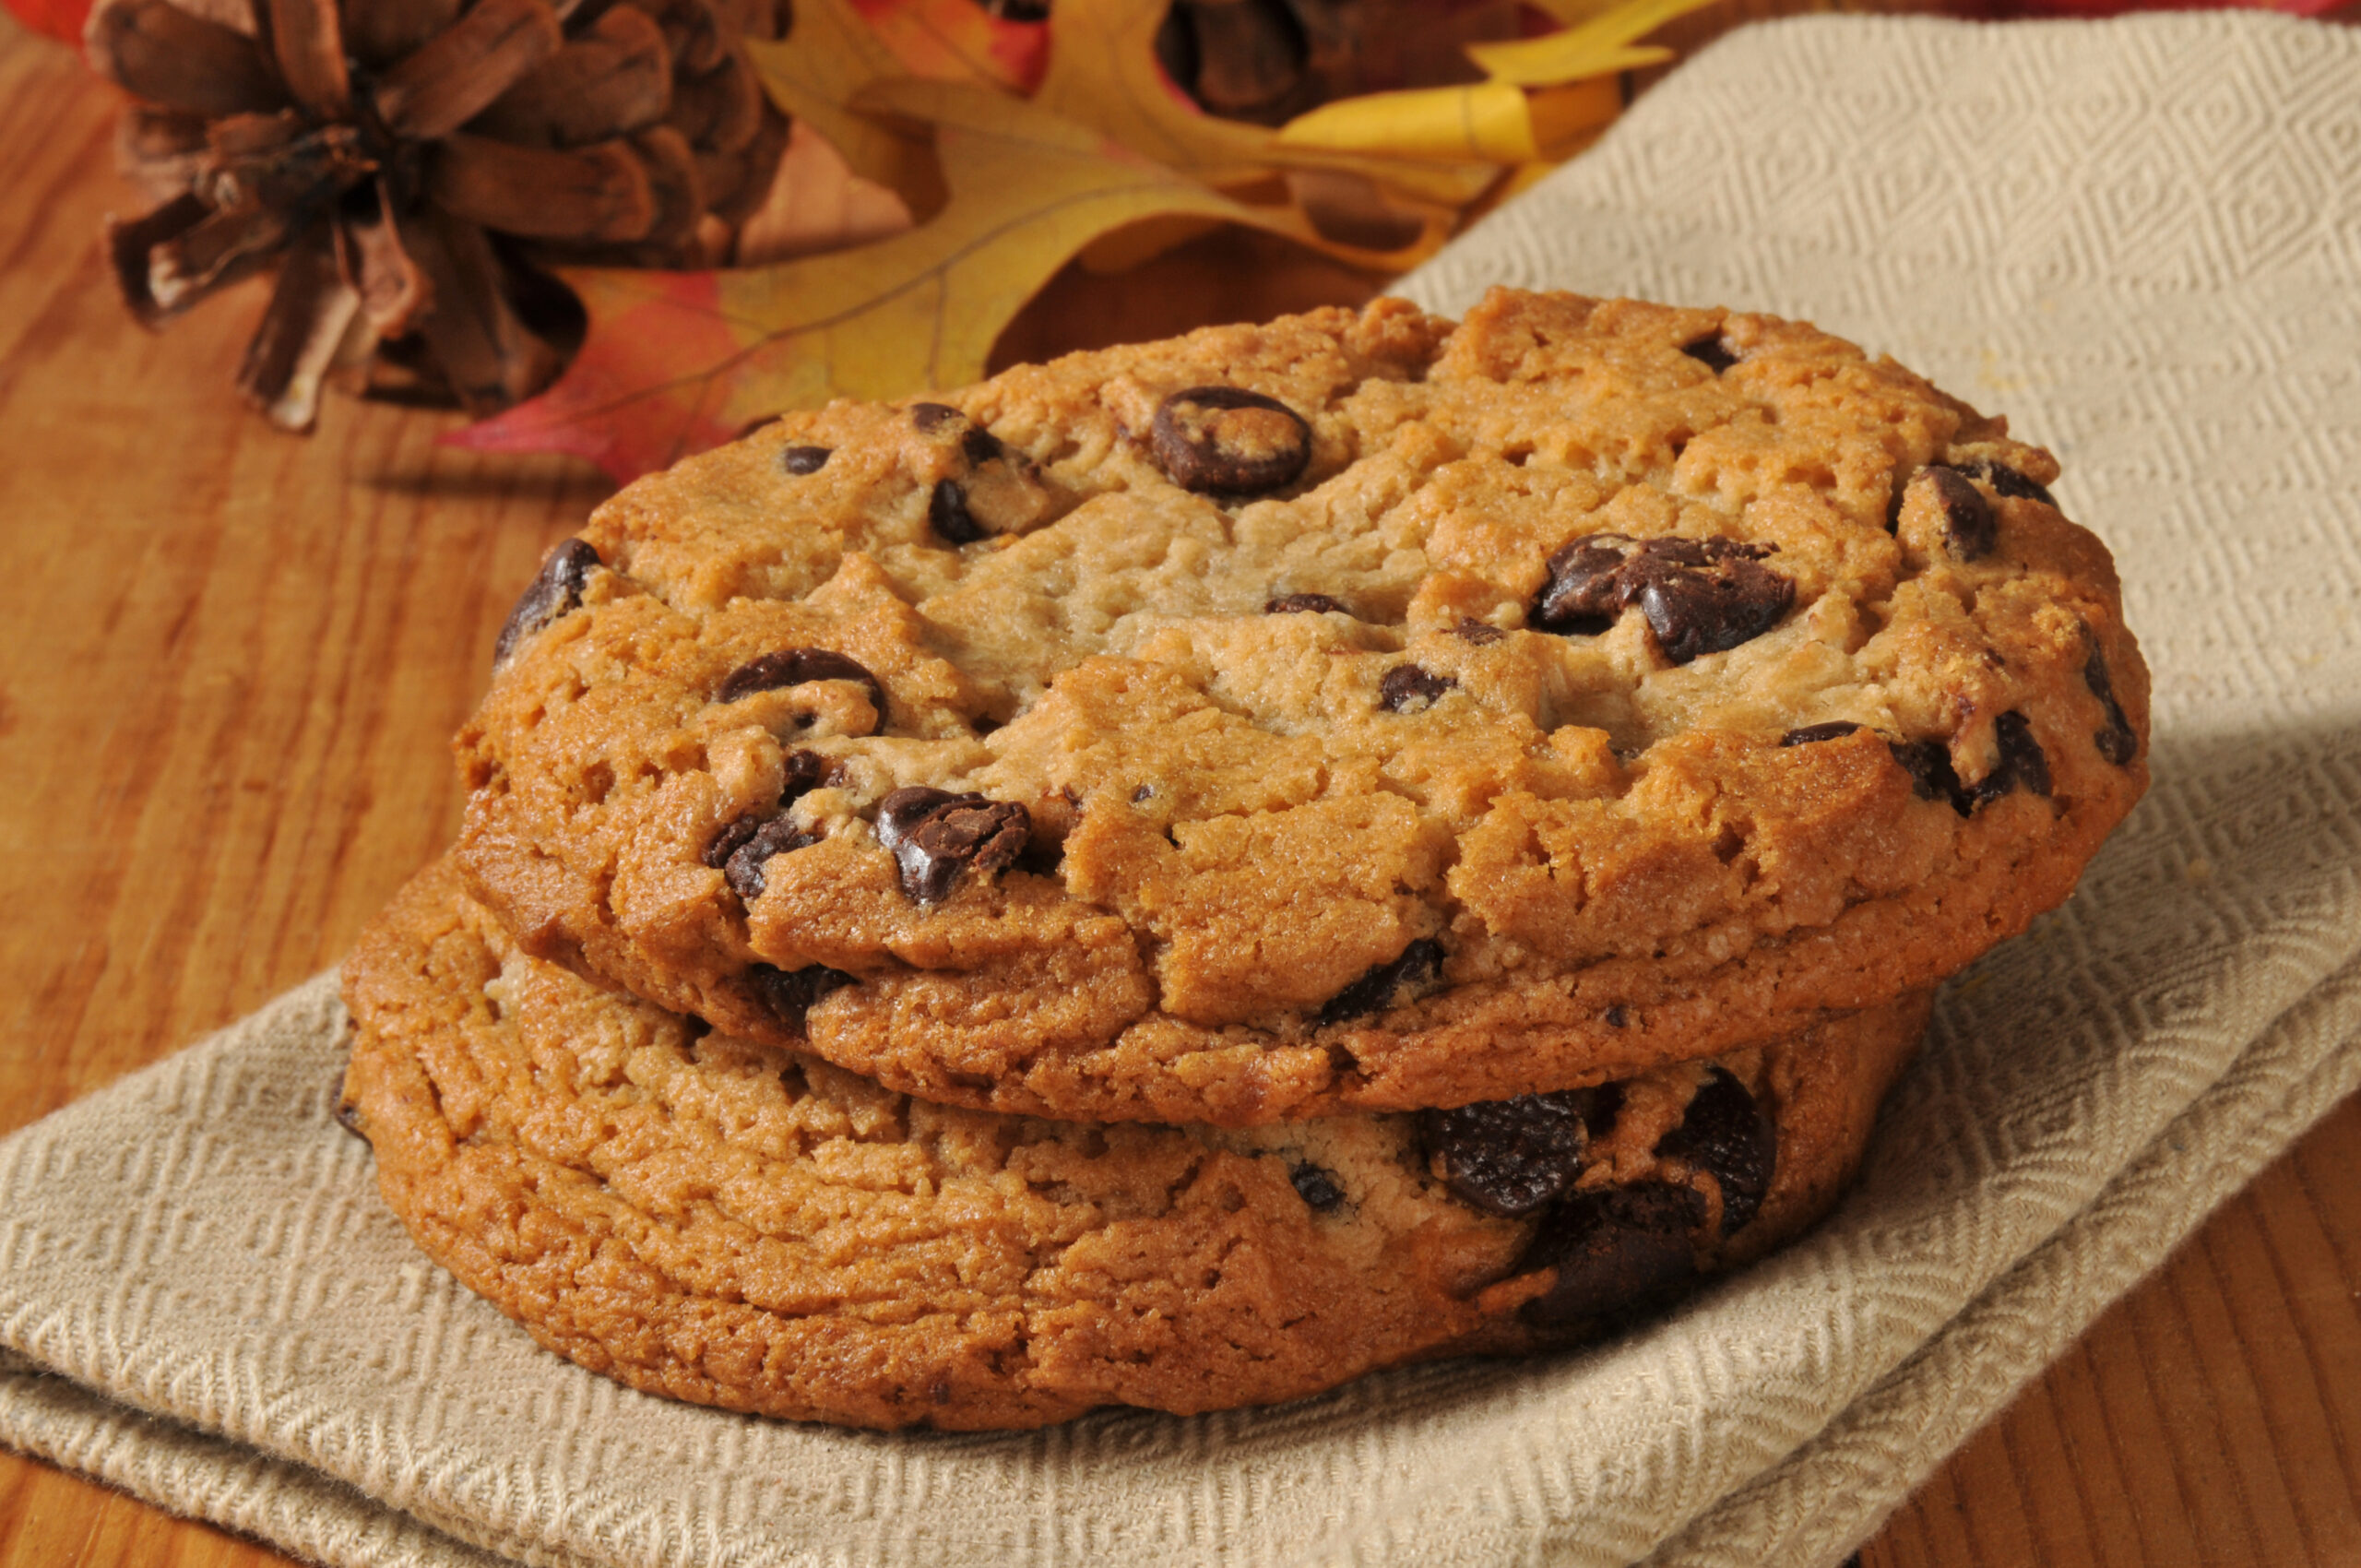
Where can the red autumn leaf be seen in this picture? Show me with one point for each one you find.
(59, 19)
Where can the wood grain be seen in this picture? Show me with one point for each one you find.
(231, 664)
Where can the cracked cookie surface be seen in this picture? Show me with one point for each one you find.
(1357, 711)
(703, 1218)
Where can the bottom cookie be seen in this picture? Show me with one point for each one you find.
(709, 1219)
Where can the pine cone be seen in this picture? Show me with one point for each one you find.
(410, 166)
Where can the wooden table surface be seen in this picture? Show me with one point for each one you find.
(230, 663)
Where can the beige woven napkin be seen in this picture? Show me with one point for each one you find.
(2142, 240)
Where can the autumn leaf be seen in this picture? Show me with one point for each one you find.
(1103, 73)
(59, 19)
(1600, 45)
(957, 40)
(831, 57)
(675, 362)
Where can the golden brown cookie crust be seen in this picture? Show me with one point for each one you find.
(685, 1213)
(1269, 749)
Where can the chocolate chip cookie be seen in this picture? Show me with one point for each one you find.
(701, 1217)
(1357, 711)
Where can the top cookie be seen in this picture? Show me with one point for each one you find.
(1354, 711)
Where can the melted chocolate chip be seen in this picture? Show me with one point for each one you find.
(1811, 734)
(1224, 440)
(2021, 762)
(1509, 1157)
(2115, 740)
(1614, 1249)
(1700, 596)
(931, 417)
(935, 835)
(803, 772)
(804, 459)
(947, 514)
(1406, 686)
(743, 867)
(1969, 527)
(1726, 1133)
(555, 591)
(1417, 968)
(2009, 482)
(1586, 591)
(1303, 603)
(792, 667)
(790, 995)
(1316, 1187)
(1471, 630)
(1708, 352)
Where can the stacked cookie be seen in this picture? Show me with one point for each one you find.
(1185, 874)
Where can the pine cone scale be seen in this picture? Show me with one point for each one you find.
(598, 193)
(461, 71)
(308, 42)
(615, 81)
(155, 51)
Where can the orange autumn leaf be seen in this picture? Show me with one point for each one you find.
(959, 41)
(675, 362)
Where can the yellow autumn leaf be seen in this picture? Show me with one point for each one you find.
(813, 76)
(909, 100)
(674, 362)
(1103, 73)
(1601, 46)
(1488, 120)
(1491, 120)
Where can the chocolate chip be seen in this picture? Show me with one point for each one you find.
(1605, 1103)
(947, 514)
(1614, 1250)
(2115, 741)
(1586, 592)
(1708, 352)
(1471, 630)
(1726, 1133)
(2009, 482)
(347, 1116)
(979, 445)
(804, 459)
(1928, 763)
(1416, 968)
(1700, 596)
(1969, 529)
(1509, 1157)
(731, 838)
(935, 835)
(743, 868)
(790, 995)
(1708, 596)
(1406, 686)
(1618, 1016)
(2021, 762)
(555, 590)
(1225, 440)
(931, 417)
(1811, 734)
(794, 666)
(1303, 603)
(1316, 1187)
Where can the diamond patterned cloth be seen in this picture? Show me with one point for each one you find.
(2141, 239)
